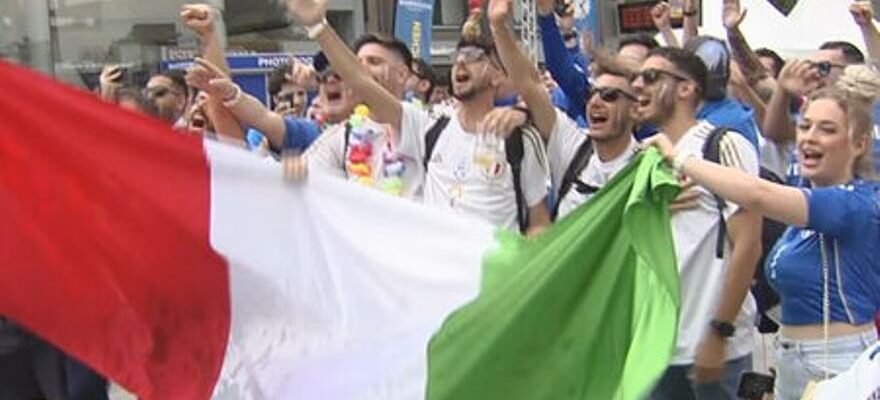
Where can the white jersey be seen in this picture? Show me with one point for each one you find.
(329, 155)
(561, 149)
(469, 172)
(701, 273)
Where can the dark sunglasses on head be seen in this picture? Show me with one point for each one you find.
(609, 94)
(823, 68)
(649, 76)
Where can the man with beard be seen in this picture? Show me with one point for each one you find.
(169, 92)
(715, 330)
(580, 164)
(466, 170)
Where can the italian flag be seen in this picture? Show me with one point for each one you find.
(183, 268)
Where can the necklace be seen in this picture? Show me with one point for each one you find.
(361, 152)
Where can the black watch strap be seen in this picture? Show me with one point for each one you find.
(722, 328)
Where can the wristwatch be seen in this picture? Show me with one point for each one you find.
(722, 328)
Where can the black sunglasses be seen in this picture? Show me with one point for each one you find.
(823, 68)
(649, 76)
(157, 92)
(609, 94)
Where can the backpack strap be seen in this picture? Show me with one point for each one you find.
(712, 152)
(346, 143)
(513, 148)
(431, 139)
(578, 163)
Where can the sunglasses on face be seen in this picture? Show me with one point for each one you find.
(158, 92)
(823, 68)
(649, 76)
(470, 54)
(609, 94)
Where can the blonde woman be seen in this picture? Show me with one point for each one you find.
(826, 267)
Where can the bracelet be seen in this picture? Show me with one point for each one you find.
(678, 161)
(690, 13)
(313, 31)
(236, 98)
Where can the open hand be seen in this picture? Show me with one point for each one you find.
(862, 13)
(799, 77)
(500, 11)
(211, 79)
(731, 14)
(660, 15)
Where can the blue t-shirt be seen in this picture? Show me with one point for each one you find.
(850, 216)
(299, 133)
(731, 114)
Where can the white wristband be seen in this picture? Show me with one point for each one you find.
(235, 98)
(678, 161)
(314, 30)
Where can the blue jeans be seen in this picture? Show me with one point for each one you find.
(801, 361)
(676, 385)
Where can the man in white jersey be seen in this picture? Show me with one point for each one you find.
(467, 170)
(716, 324)
(577, 172)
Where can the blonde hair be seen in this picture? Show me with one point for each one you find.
(855, 93)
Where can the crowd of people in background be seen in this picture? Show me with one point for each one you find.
(756, 141)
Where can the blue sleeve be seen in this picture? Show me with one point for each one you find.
(841, 209)
(562, 67)
(560, 100)
(254, 139)
(299, 133)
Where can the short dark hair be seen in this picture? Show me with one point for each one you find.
(778, 61)
(426, 72)
(851, 53)
(391, 43)
(686, 62)
(277, 78)
(177, 78)
(611, 68)
(641, 39)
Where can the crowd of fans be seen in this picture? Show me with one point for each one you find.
(756, 141)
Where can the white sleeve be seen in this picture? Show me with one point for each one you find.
(414, 123)
(737, 152)
(534, 168)
(326, 154)
(562, 146)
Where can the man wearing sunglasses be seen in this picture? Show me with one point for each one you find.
(580, 164)
(168, 90)
(715, 328)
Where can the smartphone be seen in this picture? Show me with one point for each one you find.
(753, 385)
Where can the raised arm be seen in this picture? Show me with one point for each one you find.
(523, 74)
(778, 202)
(660, 16)
(797, 78)
(245, 108)
(385, 107)
(732, 16)
(559, 60)
(691, 17)
(202, 20)
(863, 15)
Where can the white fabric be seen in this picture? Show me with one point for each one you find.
(774, 157)
(327, 155)
(561, 149)
(702, 274)
(469, 172)
(345, 309)
(861, 381)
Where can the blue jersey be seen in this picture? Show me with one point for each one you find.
(849, 218)
(299, 133)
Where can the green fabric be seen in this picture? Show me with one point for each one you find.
(589, 310)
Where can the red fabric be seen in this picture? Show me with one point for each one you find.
(104, 242)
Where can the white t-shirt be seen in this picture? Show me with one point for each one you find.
(561, 149)
(702, 275)
(328, 155)
(469, 173)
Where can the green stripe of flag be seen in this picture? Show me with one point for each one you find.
(587, 311)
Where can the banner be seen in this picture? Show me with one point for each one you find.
(414, 20)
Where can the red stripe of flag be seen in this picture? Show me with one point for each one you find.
(104, 248)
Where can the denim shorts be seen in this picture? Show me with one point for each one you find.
(801, 361)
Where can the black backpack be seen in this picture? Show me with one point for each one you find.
(514, 152)
(771, 230)
(570, 178)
